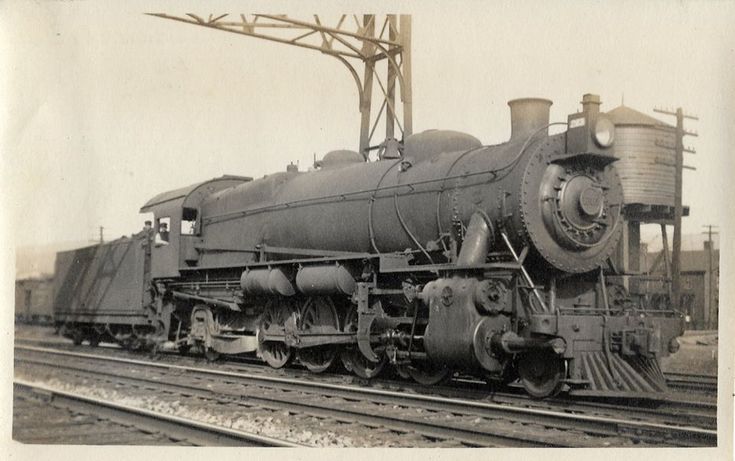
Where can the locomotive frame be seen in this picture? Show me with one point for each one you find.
(499, 266)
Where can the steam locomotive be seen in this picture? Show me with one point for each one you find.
(443, 255)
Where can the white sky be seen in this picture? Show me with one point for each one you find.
(108, 107)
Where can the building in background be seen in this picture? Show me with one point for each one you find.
(700, 282)
(34, 268)
(34, 299)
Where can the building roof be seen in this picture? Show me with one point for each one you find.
(691, 261)
(34, 277)
(699, 260)
(624, 115)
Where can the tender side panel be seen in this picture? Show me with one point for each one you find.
(103, 283)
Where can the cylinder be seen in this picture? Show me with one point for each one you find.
(527, 116)
(266, 281)
(315, 280)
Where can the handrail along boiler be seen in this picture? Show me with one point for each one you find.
(443, 255)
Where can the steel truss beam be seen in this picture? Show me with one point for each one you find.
(354, 42)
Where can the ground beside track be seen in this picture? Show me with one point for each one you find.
(217, 388)
(38, 420)
(697, 356)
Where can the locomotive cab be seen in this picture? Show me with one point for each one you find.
(179, 210)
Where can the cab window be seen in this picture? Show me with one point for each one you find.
(189, 221)
(163, 226)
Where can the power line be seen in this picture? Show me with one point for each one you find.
(679, 150)
(709, 308)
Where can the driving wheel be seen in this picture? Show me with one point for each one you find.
(352, 358)
(275, 353)
(319, 316)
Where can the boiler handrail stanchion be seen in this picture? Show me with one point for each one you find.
(524, 272)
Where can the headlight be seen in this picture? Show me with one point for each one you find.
(604, 132)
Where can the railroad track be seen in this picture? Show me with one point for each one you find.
(430, 417)
(45, 415)
(685, 382)
(681, 383)
(697, 409)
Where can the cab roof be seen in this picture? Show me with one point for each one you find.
(192, 195)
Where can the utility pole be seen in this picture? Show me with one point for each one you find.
(679, 150)
(352, 40)
(102, 234)
(709, 308)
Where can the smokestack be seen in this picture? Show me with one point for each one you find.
(528, 115)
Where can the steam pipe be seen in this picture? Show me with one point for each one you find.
(477, 242)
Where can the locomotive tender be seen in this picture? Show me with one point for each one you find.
(443, 255)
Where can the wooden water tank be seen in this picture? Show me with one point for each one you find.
(646, 169)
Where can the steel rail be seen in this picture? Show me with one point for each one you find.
(691, 382)
(677, 375)
(37, 419)
(664, 408)
(672, 409)
(673, 405)
(436, 430)
(594, 424)
(175, 427)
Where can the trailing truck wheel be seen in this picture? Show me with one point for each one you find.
(541, 373)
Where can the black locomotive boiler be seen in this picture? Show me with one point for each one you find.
(444, 255)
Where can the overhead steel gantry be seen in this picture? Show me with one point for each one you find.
(352, 41)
